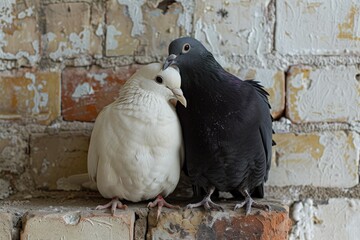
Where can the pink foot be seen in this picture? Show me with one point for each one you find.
(160, 202)
(113, 204)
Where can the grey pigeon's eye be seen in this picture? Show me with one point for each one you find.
(159, 79)
(186, 48)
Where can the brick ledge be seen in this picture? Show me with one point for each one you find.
(71, 216)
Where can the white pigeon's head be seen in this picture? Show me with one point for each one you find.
(163, 82)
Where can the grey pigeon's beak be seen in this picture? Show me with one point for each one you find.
(179, 96)
(169, 60)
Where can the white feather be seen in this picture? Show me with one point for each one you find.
(135, 150)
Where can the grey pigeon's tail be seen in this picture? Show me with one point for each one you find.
(264, 95)
(260, 89)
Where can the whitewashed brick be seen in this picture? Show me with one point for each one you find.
(232, 27)
(339, 219)
(317, 27)
(6, 226)
(323, 94)
(327, 159)
(76, 225)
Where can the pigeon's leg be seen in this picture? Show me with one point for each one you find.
(249, 202)
(206, 202)
(160, 202)
(113, 204)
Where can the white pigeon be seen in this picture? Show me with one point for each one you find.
(136, 150)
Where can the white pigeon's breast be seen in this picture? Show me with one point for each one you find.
(139, 150)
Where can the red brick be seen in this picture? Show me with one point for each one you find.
(86, 91)
(28, 94)
(199, 224)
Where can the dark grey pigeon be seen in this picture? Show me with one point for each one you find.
(227, 126)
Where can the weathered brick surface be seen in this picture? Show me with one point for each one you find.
(53, 157)
(335, 219)
(19, 32)
(161, 27)
(13, 151)
(86, 91)
(326, 159)
(233, 27)
(199, 224)
(78, 225)
(300, 27)
(273, 82)
(30, 94)
(141, 27)
(323, 94)
(69, 31)
(119, 37)
(6, 226)
(338, 219)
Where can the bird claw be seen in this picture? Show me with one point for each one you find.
(249, 202)
(208, 205)
(160, 202)
(113, 205)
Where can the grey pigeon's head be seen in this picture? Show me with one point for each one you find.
(185, 53)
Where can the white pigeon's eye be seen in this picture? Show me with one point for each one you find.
(159, 79)
(186, 48)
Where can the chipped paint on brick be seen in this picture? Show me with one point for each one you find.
(186, 17)
(135, 13)
(82, 90)
(26, 13)
(75, 44)
(111, 33)
(101, 77)
(6, 11)
(71, 31)
(99, 31)
(14, 30)
(30, 95)
(40, 99)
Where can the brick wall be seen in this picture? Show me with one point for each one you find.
(61, 61)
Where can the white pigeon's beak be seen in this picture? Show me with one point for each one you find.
(169, 61)
(178, 93)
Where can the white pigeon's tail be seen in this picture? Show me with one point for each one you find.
(76, 182)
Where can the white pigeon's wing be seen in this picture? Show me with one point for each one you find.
(93, 154)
